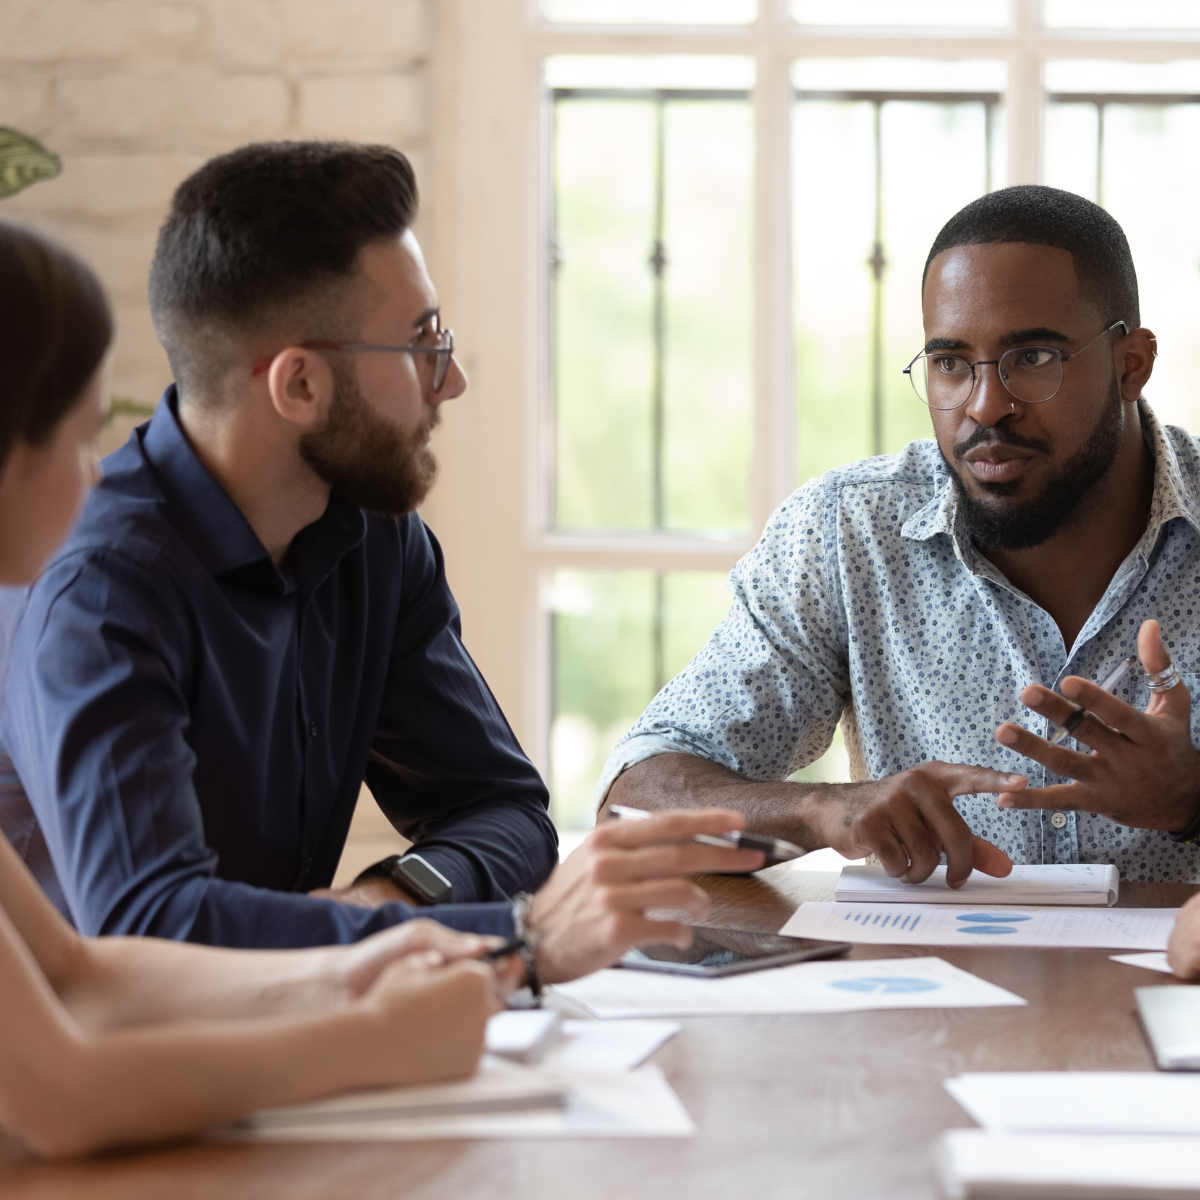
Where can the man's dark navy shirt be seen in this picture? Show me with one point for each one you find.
(189, 726)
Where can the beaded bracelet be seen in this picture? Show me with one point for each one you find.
(530, 937)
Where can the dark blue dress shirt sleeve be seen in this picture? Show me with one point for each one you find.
(98, 729)
(191, 723)
(445, 766)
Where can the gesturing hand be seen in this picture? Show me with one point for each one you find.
(908, 821)
(593, 908)
(1143, 770)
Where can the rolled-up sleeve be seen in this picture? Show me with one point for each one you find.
(764, 695)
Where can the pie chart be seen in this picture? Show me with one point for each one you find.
(886, 984)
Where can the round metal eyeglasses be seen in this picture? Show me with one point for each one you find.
(1031, 374)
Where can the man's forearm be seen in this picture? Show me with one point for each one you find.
(787, 810)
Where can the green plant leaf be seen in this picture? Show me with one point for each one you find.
(23, 161)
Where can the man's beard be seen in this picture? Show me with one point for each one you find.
(1037, 520)
(364, 459)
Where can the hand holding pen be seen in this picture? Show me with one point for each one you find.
(774, 849)
(1107, 684)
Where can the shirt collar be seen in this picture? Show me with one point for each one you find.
(1171, 498)
(217, 531)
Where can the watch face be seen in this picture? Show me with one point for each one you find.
(415, 875)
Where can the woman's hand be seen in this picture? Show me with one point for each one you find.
(361, 964)
(432, 1017)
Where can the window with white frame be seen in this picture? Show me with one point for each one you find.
(737, 203)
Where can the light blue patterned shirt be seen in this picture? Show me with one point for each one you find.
(865, 601)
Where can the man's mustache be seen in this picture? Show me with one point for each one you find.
(987, 435)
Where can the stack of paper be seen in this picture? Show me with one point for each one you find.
(982, 925)
(973, 1164)
(1107, 1102)
(586, 1087)
(1091, 1135)
(1076, 884)
(814, 987)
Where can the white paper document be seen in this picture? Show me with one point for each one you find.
(523, 1034)
(972, 1163)
(1107, 1102)
(600, 1046)
(815, 987)
(982, 925)
(1156, 960)
(629, 1104)
(1067, 883)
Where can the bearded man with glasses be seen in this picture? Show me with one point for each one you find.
(251, 619)
(953, 605)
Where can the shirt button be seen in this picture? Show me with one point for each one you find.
(312, 728)
(1058, 820)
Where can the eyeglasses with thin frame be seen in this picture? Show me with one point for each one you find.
(442, 348)
(1031, 374)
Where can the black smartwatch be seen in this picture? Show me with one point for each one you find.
(414, 875)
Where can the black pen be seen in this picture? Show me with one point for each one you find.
(1107, 684)
(512, 946)
(772, 847)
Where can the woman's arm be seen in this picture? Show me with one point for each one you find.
(110, 983)
(65, 1091)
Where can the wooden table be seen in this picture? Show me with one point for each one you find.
(820, 1107)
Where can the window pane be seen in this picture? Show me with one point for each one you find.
(860, 247)
(617, 637)
(1120, 14)
(707, 365)
(1136, 157)
(603, 313)
(651, 335)
(949, 14)
(651, 12)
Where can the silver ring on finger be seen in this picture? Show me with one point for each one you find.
(1164, 680)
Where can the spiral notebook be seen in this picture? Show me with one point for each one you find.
(1074, 884)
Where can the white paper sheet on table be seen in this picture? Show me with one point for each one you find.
(629, 1104)
(600, 1046)
(815, 987)
(1156, 960)
(979, 925)
(1028, 884)
(1047, 1166)
(1105, 1102)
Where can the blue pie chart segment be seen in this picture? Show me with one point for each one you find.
(993, 918)
(987, 929)
(887, 984)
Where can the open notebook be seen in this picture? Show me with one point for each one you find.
(1073, 884)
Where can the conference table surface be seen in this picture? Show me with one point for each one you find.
(815, 1106)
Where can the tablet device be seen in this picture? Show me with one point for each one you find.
(716, 952)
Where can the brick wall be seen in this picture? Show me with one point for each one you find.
(135, 94)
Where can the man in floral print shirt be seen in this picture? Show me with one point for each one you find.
(952, 604)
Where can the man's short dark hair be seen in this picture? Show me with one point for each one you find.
(1046, 216)
(263, 234)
